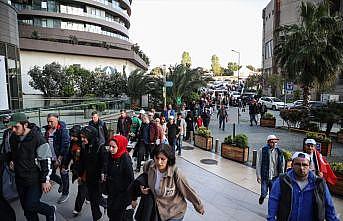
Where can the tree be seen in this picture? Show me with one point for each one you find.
(275, 82)
(185, 81)
(233, 66)
(156, 71)
(250, 67)
(216, 68)
(254, 81)
(311, 51)
(49, 81)
(82, 79)
(186, 59)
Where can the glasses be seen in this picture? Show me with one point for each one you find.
(301, 164)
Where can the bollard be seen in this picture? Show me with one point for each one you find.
(234, 130)
(254, 157)
(216, 146)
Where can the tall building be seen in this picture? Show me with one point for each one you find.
(89, 33)
(285, 12)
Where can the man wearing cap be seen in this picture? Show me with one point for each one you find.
(31, 160)
(270, 163)
(319, 165)
(300, 194)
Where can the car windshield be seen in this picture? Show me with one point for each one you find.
(276, 99)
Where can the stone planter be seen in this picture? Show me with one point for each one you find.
(268, 123)
(340, 137)
(235, 153)
(205, 143)
(325, 148)
(338, 188)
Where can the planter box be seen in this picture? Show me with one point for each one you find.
(205, 143)
(268, 123)
(338, 188)
(235, 153)
(340, 137)
(325, 149)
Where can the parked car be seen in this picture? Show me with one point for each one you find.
(312, 105)
(273, 103)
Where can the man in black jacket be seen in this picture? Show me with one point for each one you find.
(101, 127)
(31, 160)
(124, 124)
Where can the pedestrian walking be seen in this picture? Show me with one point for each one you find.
(57, 135)
(300, 194)
(135, 125)
(172, 132)
(319, 165)
(223, 116)
(161, 136)
(199, 122)
(252, 112)
(143, 141)
(190, 125)
(169, 187)
(270, 163)
(124, 124)
(119, 177)
(101, 127)
(182, 126)
(30, 157)
(93, 164)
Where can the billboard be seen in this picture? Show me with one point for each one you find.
(3, 85)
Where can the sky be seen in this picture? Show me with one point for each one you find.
(166, 28)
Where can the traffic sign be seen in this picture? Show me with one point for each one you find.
(169, 84)
(289, 86)
(178, 101)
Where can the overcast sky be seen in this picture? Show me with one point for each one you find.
(166, 28)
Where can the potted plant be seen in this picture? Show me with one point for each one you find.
(337, 168)
(324, 143)
(236, 149)
(288, 159)
(340, 136)
(268, 120)
(203, 138)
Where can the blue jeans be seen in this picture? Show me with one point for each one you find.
(222, 122)
(266, 185)
(180, 219)
(30, 201)
(179, 144)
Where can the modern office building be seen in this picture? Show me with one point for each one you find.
(10, 79)
(89, 33)
(285, 12)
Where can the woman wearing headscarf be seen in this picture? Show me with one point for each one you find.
(119, 177)
(93, 164)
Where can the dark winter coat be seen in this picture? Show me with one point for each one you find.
(61, 139)
(102, 131)
(123, 126)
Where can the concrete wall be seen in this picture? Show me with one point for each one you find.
(31, 58)
(8, 24)
(268, 29)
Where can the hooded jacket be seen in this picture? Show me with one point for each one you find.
(32, 158)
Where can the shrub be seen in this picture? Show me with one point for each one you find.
(202, 131)
(287, 154)
(241, 140)
(293, 117)
(268, 116)
(319, 137)
(228, 140)
(337, 166)
(311, 126)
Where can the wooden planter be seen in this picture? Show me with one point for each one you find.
(338, 188)
(205, 143)
(268, 123)
(325, 149)
(235, 153)
(340, 137)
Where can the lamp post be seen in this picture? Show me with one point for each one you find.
(239, 63)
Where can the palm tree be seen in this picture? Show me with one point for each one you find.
(311, 52)
(185, 81)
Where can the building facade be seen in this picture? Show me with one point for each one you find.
(89, 33)
(285, 12)
(10, 78)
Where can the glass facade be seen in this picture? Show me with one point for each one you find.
(13, 77)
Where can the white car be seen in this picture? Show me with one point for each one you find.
(235, 94)
(272, 103)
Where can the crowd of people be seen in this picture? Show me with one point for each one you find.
(101, 165)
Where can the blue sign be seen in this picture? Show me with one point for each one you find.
(319, 147)
(289, 86)
(169, 84)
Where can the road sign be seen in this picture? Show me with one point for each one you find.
(169, 84)
(178, 101)
(289, 86)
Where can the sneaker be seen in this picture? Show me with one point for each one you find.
(60, 189)
(75, 213)
(63, 199)
(260, 200)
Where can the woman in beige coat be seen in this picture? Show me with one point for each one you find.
(169, 187)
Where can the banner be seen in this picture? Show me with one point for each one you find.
(3, 85)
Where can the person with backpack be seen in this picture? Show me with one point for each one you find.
(168, 186)
(93, 164)
(300, 194)
(6, 211)
(30, 157)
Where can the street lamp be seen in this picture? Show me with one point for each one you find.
(239, 63)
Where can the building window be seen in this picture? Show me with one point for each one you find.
(268, 49)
